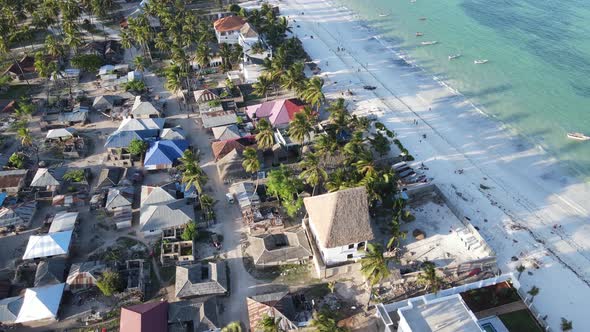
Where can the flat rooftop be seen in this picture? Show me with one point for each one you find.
(448, 314)
(447, 240)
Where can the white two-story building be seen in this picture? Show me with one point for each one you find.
(227, 29)
(339, 225)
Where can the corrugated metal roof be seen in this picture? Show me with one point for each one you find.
(164, 152)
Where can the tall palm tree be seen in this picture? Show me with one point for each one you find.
(126, 39)
(232, 327)
(396, 234)
(365, 166)
(313, 92)
(325, 145)
(323, 322)
(429, 278)
(265, 136)
(251, 163)
(187, 159)
(262, 86)
(270, 324)
(300, 128)
(74, 41)
(161, 43)
(294, 78)
(202, 56)
(192, 174)
(53, 47)
(313, 174)
(174, 76)
(338, 180)
(225, 52)
(374, 266)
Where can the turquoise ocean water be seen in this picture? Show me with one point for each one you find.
(537, 81)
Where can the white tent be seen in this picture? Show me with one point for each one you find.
(48, 245)
(40, 303)
(63, 221)
(60, 133)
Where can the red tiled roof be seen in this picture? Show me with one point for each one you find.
(229, 23)
(293, 106)
(145, 317)
(222, 148)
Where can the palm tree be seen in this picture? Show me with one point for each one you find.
(270, 324)
(396, 234)
(126, 39)
(313, 173)
(232, 327)
(265, 136)
(74, 41)
(161, 43)
(300, 128)
(225, 52)
(192, 174)
(337, 180)
(313, 92)
(325, 145)
(262, 86)
(534, 291)
(188, 158)
(207, 203)
(251, 163)
(374, 264)
(53, 46)
(202, 56)
(323, 322)
(365, 166)
(139, 63)
(429, 278)
(294, 79)
(174, 77)
(24, 134)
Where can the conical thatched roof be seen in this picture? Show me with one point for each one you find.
(340, 218)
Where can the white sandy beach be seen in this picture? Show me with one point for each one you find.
(529, 192)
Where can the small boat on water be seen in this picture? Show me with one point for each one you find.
(455, 56)
(429, 42)
(578, 136)
(422, 18)
(481, 61)
(419, 34)
(383, 15)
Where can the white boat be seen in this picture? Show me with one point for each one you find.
(578, 136)
(481, 61)
(419, 34)
(429, 42)
(383, 15)
(455, 56)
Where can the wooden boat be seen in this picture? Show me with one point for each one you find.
(481, 61)
(429, 42)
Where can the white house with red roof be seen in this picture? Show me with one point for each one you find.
(278, 112)
(227, 29)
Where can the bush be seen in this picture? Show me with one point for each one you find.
(87, 62)
(137, 147)
(17, 160)
(76, 175)
(135, 86)
(190, 232)
(408, 217)
(109, 283)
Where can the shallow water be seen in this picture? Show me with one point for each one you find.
(537, 80)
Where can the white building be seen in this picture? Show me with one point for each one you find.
(227, 29)
(446, 311)
(339, 224)
(247, 37)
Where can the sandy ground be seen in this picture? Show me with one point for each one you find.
(529, 193)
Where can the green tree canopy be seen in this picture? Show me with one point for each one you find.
(137, 147)
(109, 283)
(17, 160)
(75, 175)
(282, 184)
(190, 232)
(87, 62)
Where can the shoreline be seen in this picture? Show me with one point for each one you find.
(528, 195)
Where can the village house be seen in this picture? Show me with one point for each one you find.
(145, 317)
(288, 247)
(41, 304)
(18, 216)
(227, 29)
(164, 154)
(275, 301)
(172, 134)
(339, 226)
(22, 70)
(9, 309)
(106, 103)
(109, 177)
(48, 245)
(248, 37)
(278, 112)
(142, 109)
(119, 197)
(226, 133)
(201, 280)
(84, 275)
(63, 221)
(193, 316)
(11, 182)
(161, 211)
(50, 272)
